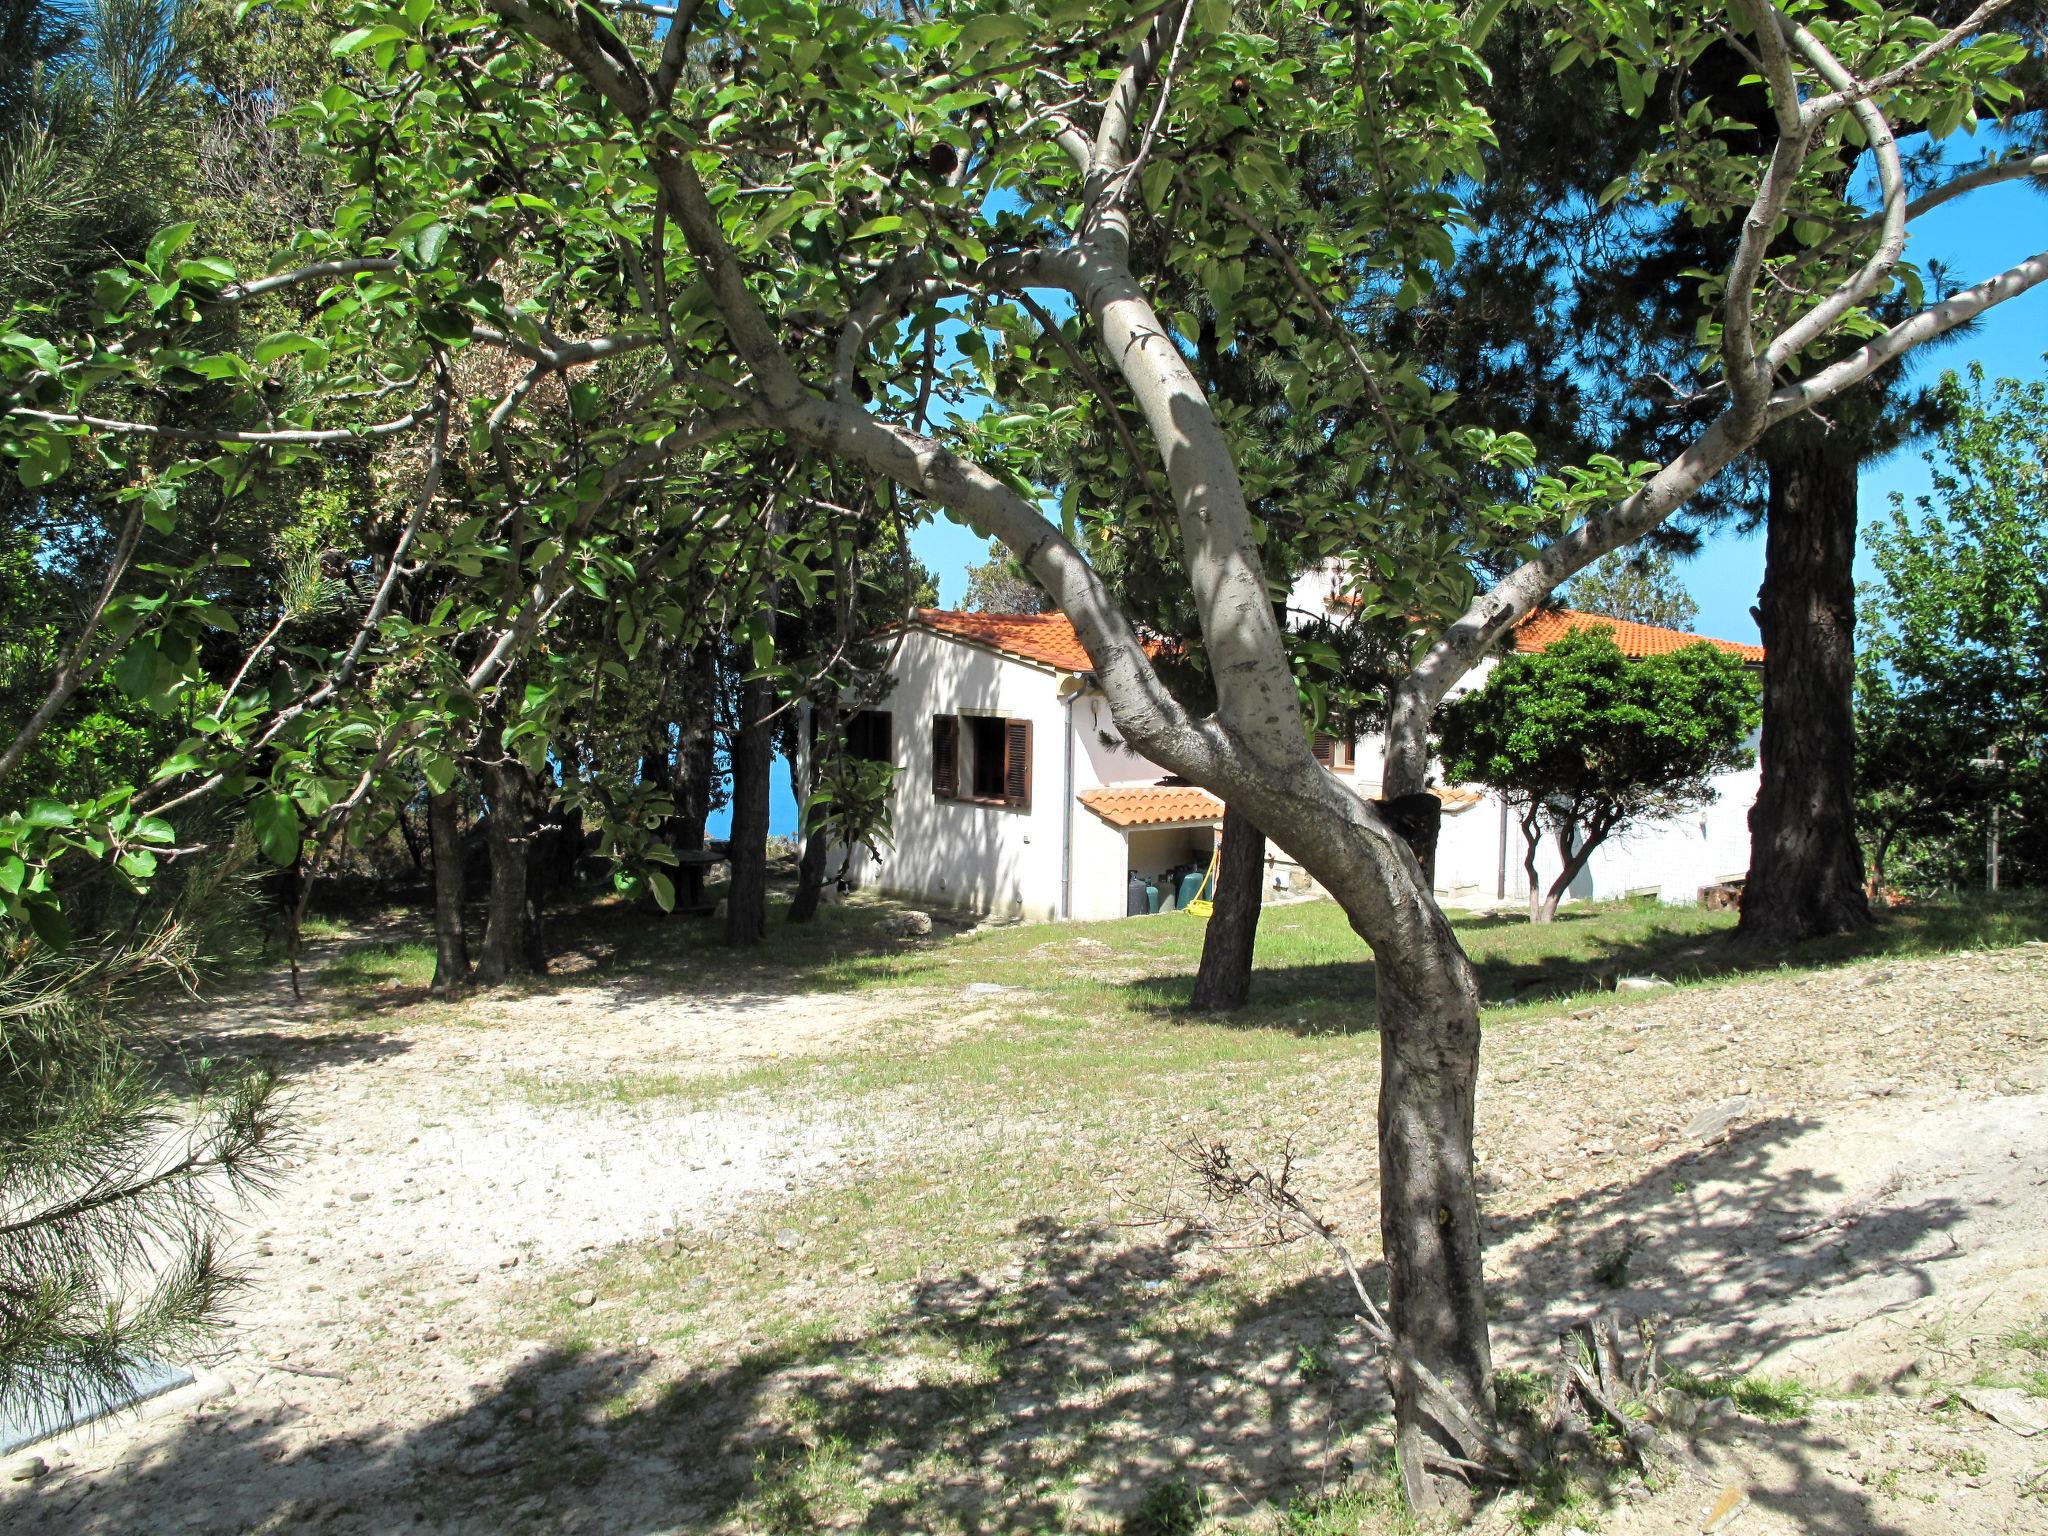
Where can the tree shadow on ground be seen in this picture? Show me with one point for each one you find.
(1339, 996)
(1086, 1374)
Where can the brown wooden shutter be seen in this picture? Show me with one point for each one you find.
(1017, 764)
(1325, 749)
(946, 757)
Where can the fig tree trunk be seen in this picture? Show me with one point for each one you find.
(1805, 869)
(1429, 1214)
(1224, 981)
(451, 947)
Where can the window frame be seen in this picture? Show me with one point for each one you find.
(949, 733)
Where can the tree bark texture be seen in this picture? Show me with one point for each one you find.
(810, 870)
(1224, 981)
(512, 944)
(451, 945)
(1429, 1211)
(1805, 868)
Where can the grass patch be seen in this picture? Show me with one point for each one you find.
(376, 964)
(1777, 1399)
(1368, 1501)
(2028, 1338)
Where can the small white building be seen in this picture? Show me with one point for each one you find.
(1015, 798)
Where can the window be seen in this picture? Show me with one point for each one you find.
(1337, 756)
(869, 737)
(985, 759)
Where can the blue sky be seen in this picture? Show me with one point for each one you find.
(1975, 237)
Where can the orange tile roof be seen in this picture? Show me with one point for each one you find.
(1151, 805)
(1456, 800)
(1546, 626)
(1046, 638)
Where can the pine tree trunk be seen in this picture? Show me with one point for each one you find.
(511, 933)
(451, 946)
(1805, 869)
(753, 759)
(1224, 981)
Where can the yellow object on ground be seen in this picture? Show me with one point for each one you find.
(1204, 902)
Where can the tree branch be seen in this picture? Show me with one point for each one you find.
(72, 672)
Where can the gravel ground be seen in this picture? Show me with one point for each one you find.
(1836, 1173)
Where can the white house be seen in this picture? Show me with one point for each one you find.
(1015, 798)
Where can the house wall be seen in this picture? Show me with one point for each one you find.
(978, 858)
(991, 859)
(1672, 858)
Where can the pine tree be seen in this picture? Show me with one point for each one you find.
(1639, 584)
(116, 1177)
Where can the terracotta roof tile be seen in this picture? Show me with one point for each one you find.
(1151, 805)
(1456, 800)
(1046, 638)
(1545, 627)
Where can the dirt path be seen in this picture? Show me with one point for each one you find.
(1849, 1213)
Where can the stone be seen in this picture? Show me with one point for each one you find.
(360, 1196)
(510, 1261)
(1641, 983)
(429, 1333)
(989, 989)
(583, 1298)
(27, 1469)
(2007, 1407)
(1730, 1504)
(788, 1239)
(1711, 1123)
(907, 924)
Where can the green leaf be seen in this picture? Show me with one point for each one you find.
(46, 356)
(439, 771)
(135, 673)
(168, 243)
(664, 890)
(989, 27)
(283, 344)
(447, 325)
(276, 820)
(44, 457)
(365, 37)
(207, 269)
(45, 812)
(423, 247)
(48, 920)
